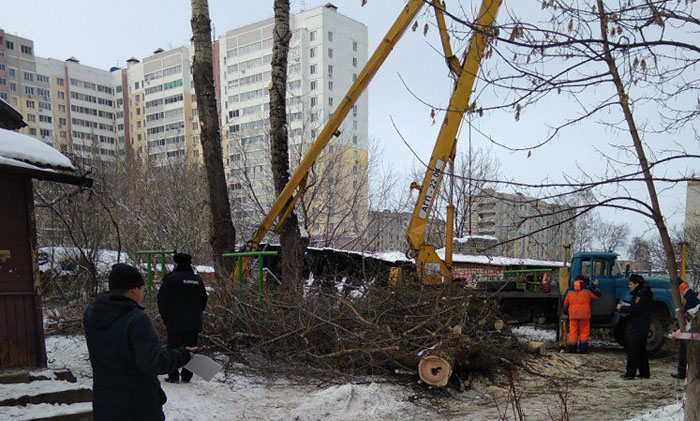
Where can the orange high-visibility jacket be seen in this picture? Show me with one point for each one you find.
(578, 303)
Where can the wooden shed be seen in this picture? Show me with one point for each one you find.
(23, 158)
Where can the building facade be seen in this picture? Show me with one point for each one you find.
(531, 228)
(146, 113)
(327, 52)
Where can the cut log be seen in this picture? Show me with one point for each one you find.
(533, 347)
(435, 370)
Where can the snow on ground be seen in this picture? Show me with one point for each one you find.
(535, 334)
(237, 397)
(668, 413)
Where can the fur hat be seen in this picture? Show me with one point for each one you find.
(182, 259)
(124, 276)
(637, 279)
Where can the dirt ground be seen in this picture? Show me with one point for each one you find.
(590, 385)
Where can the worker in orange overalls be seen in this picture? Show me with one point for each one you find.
(578, 305)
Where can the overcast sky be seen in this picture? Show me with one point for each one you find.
(105, 33)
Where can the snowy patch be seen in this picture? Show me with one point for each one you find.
(25, 148)
(43, 411)
(668, 413)
(535, 334)
(351, 401)
(51, 258)
(37, 387)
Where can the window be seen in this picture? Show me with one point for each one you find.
(354, 77)
(330, 53)
(354, 139)
(313, 85)
(3, 81)
(330, 85)
(354, 46)
(11, 73)
(312, 69)
(28, 77)
(354, 124)
(330, 101)
(354, 62)
(61, 121)
(26, 49)
(3, 95)
(354, 110)
(31, 117)
(330, 36)
(312, 36)
(330, 70)
(42, 78)
(61, 107)
(13, 87)
(2, 67)
(29, 90)
(59, 81)
(61, 95)
(312, 52)
(32, 131)
(313, 101)
(9, 45)
(354, 154)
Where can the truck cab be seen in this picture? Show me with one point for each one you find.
(605, 267)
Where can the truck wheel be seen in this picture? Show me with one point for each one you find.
(657, 333)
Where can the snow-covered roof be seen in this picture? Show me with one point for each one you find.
(397, 256)
(465, 239)
(498, 260)
(19, 147)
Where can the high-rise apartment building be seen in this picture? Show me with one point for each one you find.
(327, 52)
(544, 227)
(147, 113)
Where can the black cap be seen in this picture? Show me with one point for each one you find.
(638, 279)
(124, 276)
(182, 259)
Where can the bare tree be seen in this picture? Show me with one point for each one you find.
(222, 234)
(292, 245)
(611, 235)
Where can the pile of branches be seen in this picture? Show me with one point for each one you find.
(369, 330)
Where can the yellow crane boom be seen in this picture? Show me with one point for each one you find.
(430, 267)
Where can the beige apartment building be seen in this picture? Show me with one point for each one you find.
(543, 226)
(146, 113)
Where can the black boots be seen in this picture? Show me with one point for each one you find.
(583, 347)
(572, 349)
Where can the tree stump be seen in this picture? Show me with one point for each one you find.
(436, 369)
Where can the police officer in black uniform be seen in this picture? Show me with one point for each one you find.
(181, 301)
(638, 314)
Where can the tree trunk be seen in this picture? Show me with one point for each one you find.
(292, 246)
(435, 368)
(692, 409)
(222, 234)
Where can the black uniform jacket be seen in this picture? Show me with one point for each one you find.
(181, 301)
(126, 357)
(639, 311)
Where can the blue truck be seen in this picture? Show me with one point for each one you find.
(523, 304)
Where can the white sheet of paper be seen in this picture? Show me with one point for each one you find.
(203, 366)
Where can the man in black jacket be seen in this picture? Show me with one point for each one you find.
(638, 314)
(181, 301)
(125, 353)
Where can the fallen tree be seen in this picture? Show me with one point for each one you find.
(332, 331)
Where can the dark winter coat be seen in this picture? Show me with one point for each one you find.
(126, 357)
(639, 311)
(181, 300)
